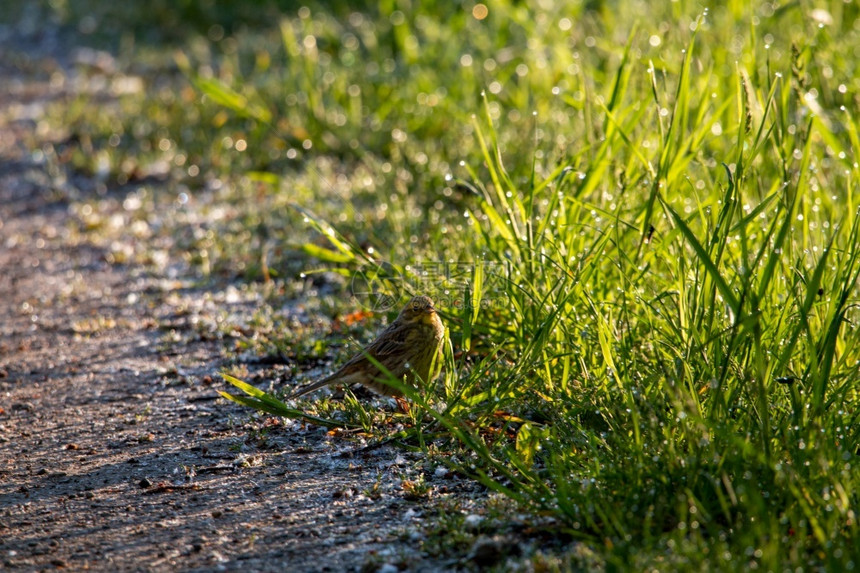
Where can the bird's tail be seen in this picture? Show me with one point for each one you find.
(311, 387)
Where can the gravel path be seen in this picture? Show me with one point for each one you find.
(114, 452)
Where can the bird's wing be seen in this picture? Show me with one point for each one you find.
(394, 340)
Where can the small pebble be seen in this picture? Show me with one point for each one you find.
(472, 521)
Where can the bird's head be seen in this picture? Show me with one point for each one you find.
(419, 309)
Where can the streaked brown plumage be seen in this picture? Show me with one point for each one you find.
(410, 347)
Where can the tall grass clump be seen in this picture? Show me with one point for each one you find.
(657, 331)
(686, 376)
(686, 359)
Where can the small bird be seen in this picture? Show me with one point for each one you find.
(410, 348)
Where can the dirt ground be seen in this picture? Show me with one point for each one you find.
(115, 453)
